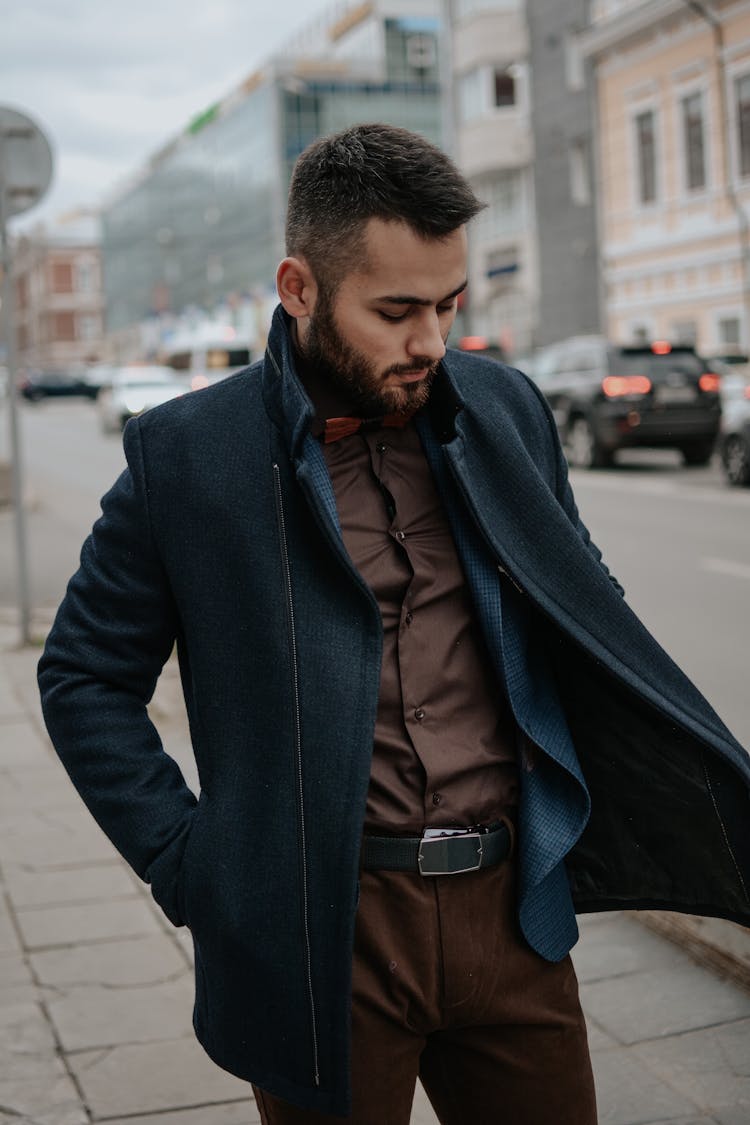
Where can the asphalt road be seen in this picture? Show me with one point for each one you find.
(678, 539)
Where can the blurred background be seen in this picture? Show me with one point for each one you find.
(610, 140)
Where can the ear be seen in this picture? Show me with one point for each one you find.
(296, 287)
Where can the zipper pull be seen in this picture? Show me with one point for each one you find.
(511, 579)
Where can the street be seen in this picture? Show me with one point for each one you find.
(678, 540)
(96, 986)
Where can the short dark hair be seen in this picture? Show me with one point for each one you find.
(370, 172)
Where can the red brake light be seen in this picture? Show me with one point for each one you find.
(746, 392)
(472, 343)
(661, 347)
(614, 386)
(709, 382)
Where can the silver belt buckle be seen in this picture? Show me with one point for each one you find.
(435, 845)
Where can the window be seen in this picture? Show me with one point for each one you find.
(62, 277)
(63, 326)
(485, 89)
(575, 73)
(646, 156)
(729, 331)
(505, 88)
(684, 332)
(742, 91)
(505, 210)
(502, 266)
(578, 159)
(693, 127)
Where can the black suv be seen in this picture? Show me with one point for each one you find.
(607, 397)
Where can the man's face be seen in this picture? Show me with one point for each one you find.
(380, 339)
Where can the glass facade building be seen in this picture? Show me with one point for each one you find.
(201, 228)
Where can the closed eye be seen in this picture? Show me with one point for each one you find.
(394, 318)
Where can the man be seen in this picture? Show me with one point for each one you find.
(425, 721)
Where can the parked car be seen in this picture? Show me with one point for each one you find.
(36, 385)
(99, 375)
(734, 440)
(607, 396)
(132, 390)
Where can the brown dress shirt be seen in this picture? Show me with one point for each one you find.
(444, 750)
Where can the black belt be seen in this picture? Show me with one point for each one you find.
(439, 851)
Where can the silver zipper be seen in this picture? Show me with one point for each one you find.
(298, 763)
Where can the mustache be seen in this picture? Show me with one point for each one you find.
(429, 365)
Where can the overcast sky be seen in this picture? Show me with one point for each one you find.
(110, 81)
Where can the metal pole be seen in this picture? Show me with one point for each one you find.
(9, 335)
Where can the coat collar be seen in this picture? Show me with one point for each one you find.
(292, 411)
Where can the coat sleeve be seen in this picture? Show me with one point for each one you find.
(563, 489)
(113, 632)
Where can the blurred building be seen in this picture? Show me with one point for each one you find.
(521, 121)
(490, 137)
(673, 85)
(565, 197)
(198, 233)
(59, 298)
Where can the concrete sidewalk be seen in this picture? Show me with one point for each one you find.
(96, 987)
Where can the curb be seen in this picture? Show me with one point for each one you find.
(713, 942)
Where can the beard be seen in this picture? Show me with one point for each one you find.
(353, 375)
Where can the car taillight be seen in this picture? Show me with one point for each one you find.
(615, 386)
(709, 382)
(746, 392)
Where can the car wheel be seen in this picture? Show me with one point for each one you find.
(735, 457)
(582, 448)
(697, 453)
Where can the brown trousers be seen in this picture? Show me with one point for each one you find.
(445, 989)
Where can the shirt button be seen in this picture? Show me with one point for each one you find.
(381, 447)
(401, 535)
(419, 714)
(409, 618)
(437, 798)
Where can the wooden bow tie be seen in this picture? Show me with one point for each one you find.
(336, 428)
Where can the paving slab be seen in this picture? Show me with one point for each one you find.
(145, 961)
(21, 744)
(30, 886)
(628, 1093)
(614, 945)
(17, 985)
(150, 1077)
(11, 706)
(44, 927)
(58, 849)
(8, 938)
(233, 1113)
(94, 1016)
(649, 1005)
(712, 1066)
(50, 1098)
(35, 786)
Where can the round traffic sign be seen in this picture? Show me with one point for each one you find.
(25, 163)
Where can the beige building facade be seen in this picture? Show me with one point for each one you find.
(673, 149)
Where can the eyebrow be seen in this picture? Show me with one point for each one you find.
(404, 300)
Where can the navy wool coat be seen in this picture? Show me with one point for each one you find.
(221, 536)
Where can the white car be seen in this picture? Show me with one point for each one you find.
(132, 390)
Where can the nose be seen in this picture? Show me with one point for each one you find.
(427, 338)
